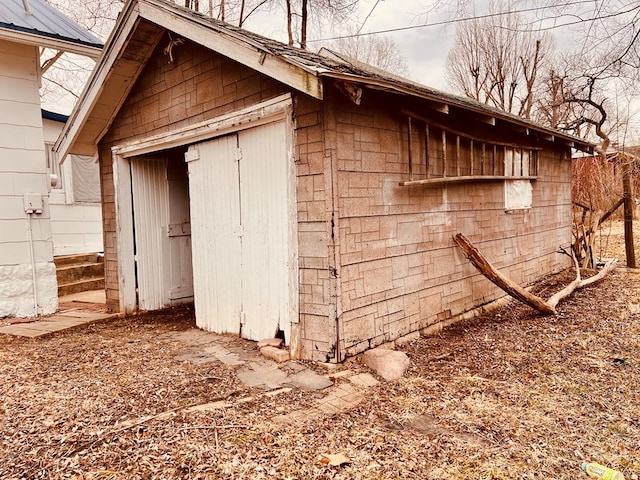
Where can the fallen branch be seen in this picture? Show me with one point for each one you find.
(547, 307)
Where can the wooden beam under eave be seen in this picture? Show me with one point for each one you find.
(439, 107)
(480, 118)
(273, 65)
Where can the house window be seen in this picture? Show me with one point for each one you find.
(438, 154)
(85, 174)
(53, 164)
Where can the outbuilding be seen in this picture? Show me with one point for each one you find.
(305, 195)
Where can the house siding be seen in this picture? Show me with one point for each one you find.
(316, 231)
(23, 170)
(76, 227)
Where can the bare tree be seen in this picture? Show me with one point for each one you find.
(381, 52)
(305, 14)
(495, 62)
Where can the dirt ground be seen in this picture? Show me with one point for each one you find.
(509, 395)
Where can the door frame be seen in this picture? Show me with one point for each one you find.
(275, 109)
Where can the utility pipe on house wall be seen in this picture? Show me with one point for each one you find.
(33, 266)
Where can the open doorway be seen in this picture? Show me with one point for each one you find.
(162, 229)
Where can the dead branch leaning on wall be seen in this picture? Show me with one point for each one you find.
(546, 307)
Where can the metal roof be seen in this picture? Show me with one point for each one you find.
(43, 21)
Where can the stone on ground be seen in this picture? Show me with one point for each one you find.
(275, 354)
(270, 342)
(309, 380)
(389, 364)
(257, 375)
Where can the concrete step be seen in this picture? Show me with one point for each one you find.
(66, 260)
(80, 286)
(79, 272)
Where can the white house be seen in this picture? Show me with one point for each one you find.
(74, 200)
(28, 284)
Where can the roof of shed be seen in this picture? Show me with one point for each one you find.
(132, 43)
(45, 26)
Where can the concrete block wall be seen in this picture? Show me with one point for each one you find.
(400, 270)
(316, 259)
(23, 170)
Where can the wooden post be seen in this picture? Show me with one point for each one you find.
(444, 153)
(426, 148)
(471, 157)
(628, 213)
(457, 155)
(410, 140)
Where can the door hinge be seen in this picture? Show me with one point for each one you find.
(238, 154)
(243, 318)
(191, 155)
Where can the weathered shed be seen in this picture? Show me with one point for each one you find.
(305, 195)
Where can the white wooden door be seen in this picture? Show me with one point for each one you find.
(179, 233)
(265, 242)
(151, 216)
(215, 229)
(241, 233)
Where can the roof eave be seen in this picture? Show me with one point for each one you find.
(242, 51)
(91, 93)
(303, 79)
(38, 40)
(382, 84)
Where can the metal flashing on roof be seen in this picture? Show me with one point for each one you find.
(45, 26)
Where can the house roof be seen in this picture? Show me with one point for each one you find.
(133, 41)
(56, 117)
(35, 22)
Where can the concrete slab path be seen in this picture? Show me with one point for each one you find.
(53, 323)
(76, 309)
(251, 368)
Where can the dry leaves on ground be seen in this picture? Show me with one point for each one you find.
(509, 395)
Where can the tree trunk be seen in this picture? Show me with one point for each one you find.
(516, 291)
(241, 19)
(303, 27)
(581, 241)
(628, 214)
(289, 30)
